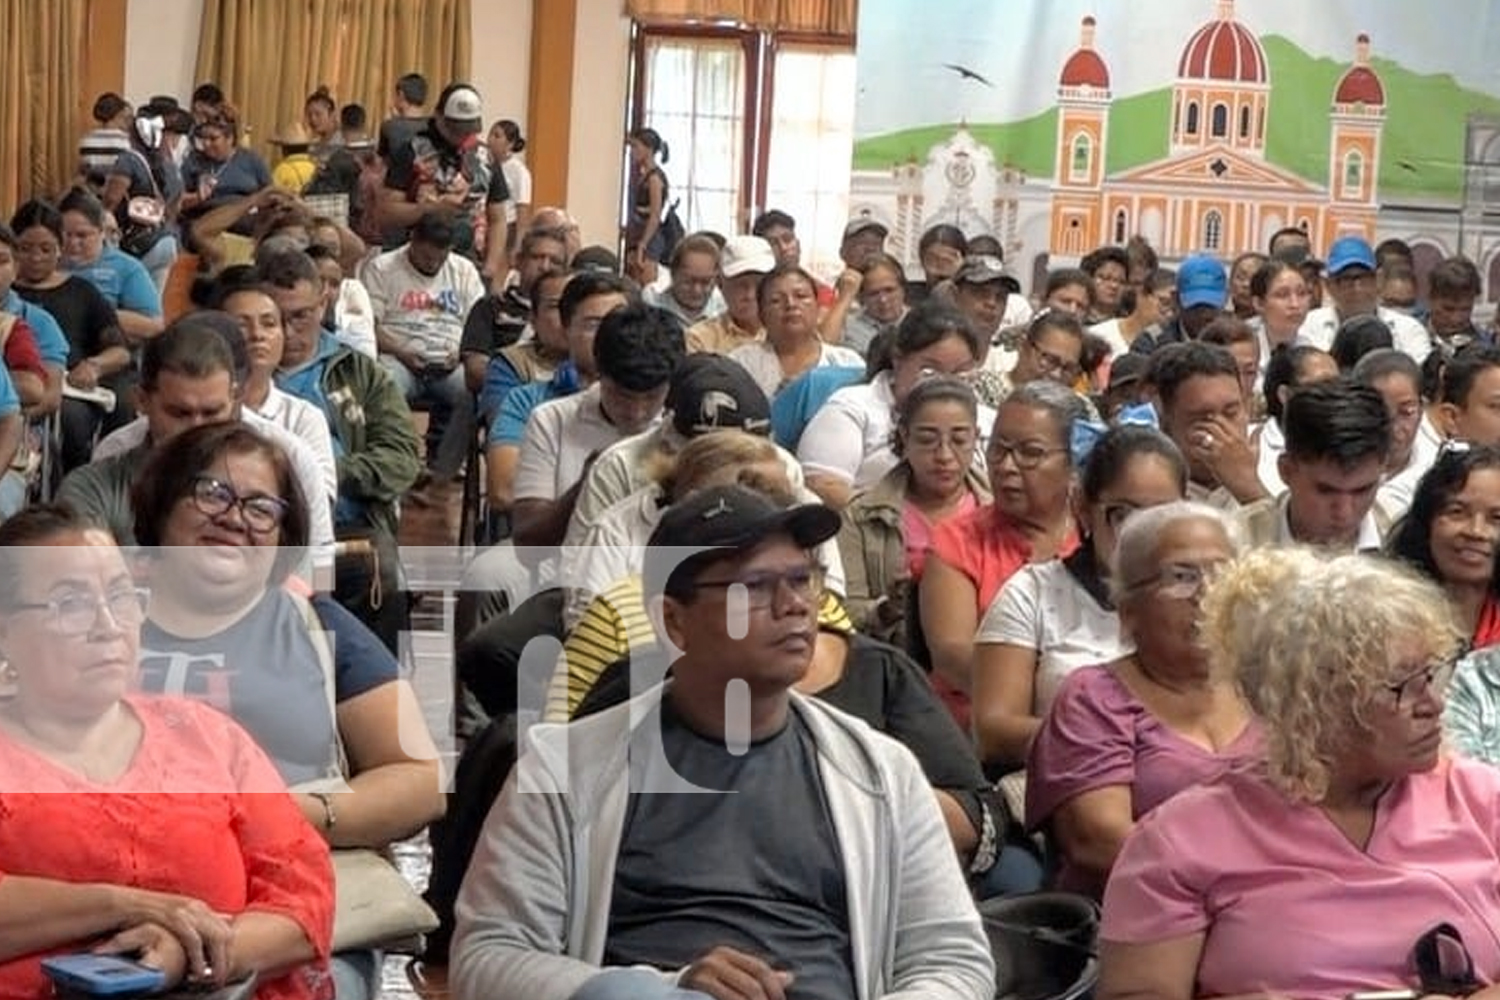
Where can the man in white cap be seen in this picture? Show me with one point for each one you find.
(742, 265)
(444, 166)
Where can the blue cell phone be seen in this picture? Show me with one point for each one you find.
(102, 975)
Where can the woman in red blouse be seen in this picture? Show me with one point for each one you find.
(176, 842)
(1031, 476)
(1451, 534)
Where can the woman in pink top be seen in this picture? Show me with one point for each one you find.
(1031, 476)
(1121, 739)
(1316, 875)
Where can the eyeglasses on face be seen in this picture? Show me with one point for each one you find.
(959, 440)
(76, 613)
(1177, 581)
(1430, 677)
(760, 588)
(1054, 364)
(262, 513)
(1026, 454)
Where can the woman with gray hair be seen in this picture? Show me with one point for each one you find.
(1029, 461)
(1123, 738)
(1359, 857)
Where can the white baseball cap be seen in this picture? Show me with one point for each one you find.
(464, 109)
(746, 255)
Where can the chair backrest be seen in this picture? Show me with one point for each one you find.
(1044, 944)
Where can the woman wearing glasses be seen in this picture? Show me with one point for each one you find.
(1122, 738)
(224, 521)
(888, 528)
(847, 447)
(1030, 520)
(173, 840)
(1052, 618)
(1316, 873)
(1052, 349)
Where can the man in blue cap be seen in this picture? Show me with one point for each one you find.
(1354, 291)
(1202, 290)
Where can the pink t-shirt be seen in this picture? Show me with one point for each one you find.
(916, 531)
(1289, 906)
(1098, 734)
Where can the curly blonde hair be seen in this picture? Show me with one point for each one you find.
(719, 458)
(1309, 639)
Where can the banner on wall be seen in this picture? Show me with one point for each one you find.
(1202, 125)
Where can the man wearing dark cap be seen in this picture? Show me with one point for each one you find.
(443, 166)
(784, 869)
(1353, 287)
(864, 237)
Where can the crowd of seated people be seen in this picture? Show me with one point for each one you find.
(1146, 588)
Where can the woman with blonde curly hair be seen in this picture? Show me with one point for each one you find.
(1338, 866)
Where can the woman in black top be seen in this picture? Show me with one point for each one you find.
(644, 238)
(97, 355)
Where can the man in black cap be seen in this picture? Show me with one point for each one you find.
(443, 166)
(793, 873)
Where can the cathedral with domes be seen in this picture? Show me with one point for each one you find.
(1215, 190)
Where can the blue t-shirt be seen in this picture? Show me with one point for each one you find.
(244, 173)
(793, 407)
(51, 343)
(9, 401)
(510, 423)
(265, 673)
(123, 280)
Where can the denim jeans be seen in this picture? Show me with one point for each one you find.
(356, 974)
(451, 421)
(158, 261)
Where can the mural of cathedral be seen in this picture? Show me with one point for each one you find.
(1214, 191)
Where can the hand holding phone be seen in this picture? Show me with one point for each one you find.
(102, 975)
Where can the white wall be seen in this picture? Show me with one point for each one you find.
(161, 48)
(596, 154)
(502, 57)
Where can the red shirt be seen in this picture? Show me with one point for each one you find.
(200, 812)
(21, 353)
(1487, 630)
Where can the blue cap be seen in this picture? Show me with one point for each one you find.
(1202, 281)
(1350, 251)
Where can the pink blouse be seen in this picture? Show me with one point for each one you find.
(1099, 734)
(1288, 905)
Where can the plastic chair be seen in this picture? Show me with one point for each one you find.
(1044, 944)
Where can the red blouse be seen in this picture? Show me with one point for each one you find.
(200, 812)
(1487, 630)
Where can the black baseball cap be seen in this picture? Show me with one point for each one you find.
(709, 392)
(726, 520)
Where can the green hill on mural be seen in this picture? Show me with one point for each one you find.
(1421, 149)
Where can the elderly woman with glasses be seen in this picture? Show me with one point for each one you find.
(1328, 870)
(167, 836)
(1122, 738)
(224, 522)
(1052, 349)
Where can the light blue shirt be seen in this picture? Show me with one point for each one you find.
(123, 281)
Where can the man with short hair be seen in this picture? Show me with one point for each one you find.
(636, 350)
(1469, 406)
(692, 294)
(443, 166)
(864, 237)
(844, 894)
(532, 359)
(744, 262)
(1353, 285)
(1290, 244)
(779, 229)
(407, 114)
(1202, 291)
(193, 374)
(1338, 434)
(502, 318)
(374, 441)
(1398, 379)
(1453, 286)
(1202, 409)
(420, 295)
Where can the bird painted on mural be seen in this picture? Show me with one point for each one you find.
(967, 73)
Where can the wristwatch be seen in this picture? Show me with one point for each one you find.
(330, 818)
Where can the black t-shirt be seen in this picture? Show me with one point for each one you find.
(264, 672)
(428, 160)
(87, 319)
(397, 132)
(496, 321)
(757, 868)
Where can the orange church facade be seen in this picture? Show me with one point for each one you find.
(1215, 191)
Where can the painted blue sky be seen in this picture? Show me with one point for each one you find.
(1020, 45)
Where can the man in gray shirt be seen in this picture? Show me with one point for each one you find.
(720, 835)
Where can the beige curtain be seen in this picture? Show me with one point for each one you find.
(835, 18)
(42, 115)
(269, 55)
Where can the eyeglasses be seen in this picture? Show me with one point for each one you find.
(960, 441)
(1027, 454)
(261, 513)
(1177, 581)
(77, 613)
(1054, 364)
(928, 371)
(1430, 677)
(805, 583)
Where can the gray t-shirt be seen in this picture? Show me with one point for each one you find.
(757, 869)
